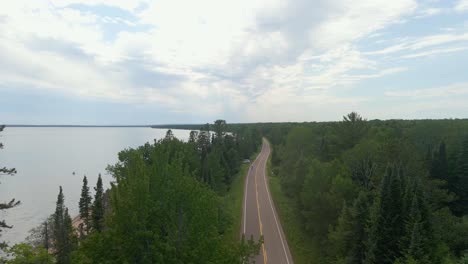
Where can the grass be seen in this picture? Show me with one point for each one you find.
(304, 250)
(234, 200)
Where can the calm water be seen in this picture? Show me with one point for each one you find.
(47, 157)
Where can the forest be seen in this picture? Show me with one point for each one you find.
(374, 191)
(358, 191)
(167, 204)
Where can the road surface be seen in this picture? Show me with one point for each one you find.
(259, 214)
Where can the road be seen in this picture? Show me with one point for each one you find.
(259, 214)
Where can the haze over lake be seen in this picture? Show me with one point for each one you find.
(46, 157)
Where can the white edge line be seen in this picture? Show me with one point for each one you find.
(245, 197)
(274, 213)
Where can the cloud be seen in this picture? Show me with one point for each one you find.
(430, 11)
(434, 52)
(208, 56)
(456, 89)
(462, 6)
(431, 44)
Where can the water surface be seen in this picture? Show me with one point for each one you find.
(46, 158)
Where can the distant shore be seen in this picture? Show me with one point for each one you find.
(78, 125)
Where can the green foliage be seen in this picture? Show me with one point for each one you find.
(348, 239)
(376, 191)
(98, 206)
(386, 227)
(459, 183)
(85, 207)
(167, 206)
(64, 237)
(26, 254)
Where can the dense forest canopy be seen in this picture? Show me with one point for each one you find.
(377, 191)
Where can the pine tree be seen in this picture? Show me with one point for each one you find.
(85, 205)
(443, 162)
(459, 184)
(12, 203)
(219, 129)
(70, 240)
(350, 237)
(439, 163)
(169, 135)
(63, 231)
(386, 223)
(46, 235)
(98, 207)
(193, 137)
(352, 129)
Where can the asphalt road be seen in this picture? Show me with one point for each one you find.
(259, 214)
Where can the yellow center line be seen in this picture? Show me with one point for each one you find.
(265, 258)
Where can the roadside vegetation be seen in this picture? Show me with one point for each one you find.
(302, 247)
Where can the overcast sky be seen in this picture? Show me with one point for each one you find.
(171, 61)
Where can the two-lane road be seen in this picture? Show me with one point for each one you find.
(259, 214)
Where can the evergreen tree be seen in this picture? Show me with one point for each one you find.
(443, 162)
(169, 135)
(386, 227)
(417, 242)
(98, 206)
(12, 203)
(439, 164)
(459, 184)
(352, 129)
(46, 240)
(63, 231)
(85, 205)
(193, 136)
(219, 129)
(350, 237)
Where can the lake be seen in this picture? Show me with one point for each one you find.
(47, 157)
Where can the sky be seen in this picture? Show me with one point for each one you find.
(101, 62)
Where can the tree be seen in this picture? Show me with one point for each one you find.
(439, 164)
(352, 129)
(98, 206)
(26, 254)
(350, 236)
(85, 205)
(459, 183)
(193, 136)
(169, 135)
(42, 235)
(219, 129)
(418, 241)
(12, 203)
(387, 220)
(63, 231)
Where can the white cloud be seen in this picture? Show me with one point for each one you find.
(431, 11)
(462, 6)
(434, 52)
(209, 55)
(444, 91)
(356, 19)
(432, 44)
